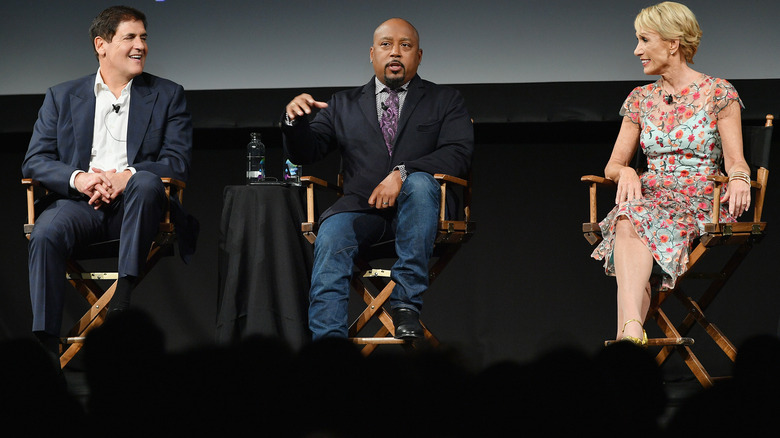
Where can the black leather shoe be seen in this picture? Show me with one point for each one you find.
(407, 324)
(114, 312)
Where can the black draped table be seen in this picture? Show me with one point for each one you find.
(264, 264)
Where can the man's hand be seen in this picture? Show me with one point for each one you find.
(385, 194)
(118, 182)
(302, 104)
(102, 186)
(94, 185)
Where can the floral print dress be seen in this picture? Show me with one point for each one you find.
(683, 146)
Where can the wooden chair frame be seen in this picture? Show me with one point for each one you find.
(87, 283)
(741, 236)
(449, 237)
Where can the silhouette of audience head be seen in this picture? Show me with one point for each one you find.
(329, 389)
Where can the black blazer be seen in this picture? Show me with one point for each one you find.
(435, 135)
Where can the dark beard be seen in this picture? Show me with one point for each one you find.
(394, 83)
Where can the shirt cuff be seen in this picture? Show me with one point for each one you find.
(402, 170)
(72, 180)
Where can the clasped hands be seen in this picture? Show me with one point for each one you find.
(102, 186)
(737, 197)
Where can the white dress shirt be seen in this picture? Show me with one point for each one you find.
(109, 137)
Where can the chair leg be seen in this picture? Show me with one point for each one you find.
(98, 299)
(429, 337)
(373, 305)
(696, 309)
(695, 314)
(695, 366)
(92, 319)
(684, 350)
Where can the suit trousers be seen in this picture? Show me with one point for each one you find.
(341, 236)
(133, 218)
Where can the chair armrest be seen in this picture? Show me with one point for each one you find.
(600, 180)
(453, 179)
(310, 182)
(173, 182)
(465, 183)
(720, 179)
(594, 181)
(758, 204)
(30, 184)
(29, 187)
(177, 188)
(321, 182)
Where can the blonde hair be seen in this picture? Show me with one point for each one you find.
(673, 21)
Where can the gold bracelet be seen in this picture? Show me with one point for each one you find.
(739, 173)
(743, 178)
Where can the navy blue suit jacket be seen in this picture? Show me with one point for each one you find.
(159, 136)
(435, 135)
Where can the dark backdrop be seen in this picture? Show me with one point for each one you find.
(524, 283)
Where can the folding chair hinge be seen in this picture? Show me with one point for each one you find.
(450, 228)
(756, 230)
(727, 232)
(93, 276)
(377, 273)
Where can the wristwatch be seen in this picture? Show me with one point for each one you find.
(402, 170)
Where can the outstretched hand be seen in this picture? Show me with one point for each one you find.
(303, 104)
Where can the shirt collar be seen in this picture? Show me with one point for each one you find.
(101, 86)
(379, 86)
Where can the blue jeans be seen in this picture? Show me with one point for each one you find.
(341, 236)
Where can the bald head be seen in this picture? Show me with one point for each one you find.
(397, 22)
(395, 52)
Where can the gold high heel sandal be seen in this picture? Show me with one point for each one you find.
(640, 342)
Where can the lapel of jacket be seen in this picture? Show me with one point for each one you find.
(82, 112)
(414, 93)
(142, 99)
(367, 104)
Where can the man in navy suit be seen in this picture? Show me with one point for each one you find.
(100, 145)
(393, 134)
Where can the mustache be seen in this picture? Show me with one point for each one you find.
(396, 62)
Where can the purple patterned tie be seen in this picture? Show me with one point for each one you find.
(389, 122)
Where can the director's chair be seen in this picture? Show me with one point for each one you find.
(374, 285)
(87, 283)
(739, 237)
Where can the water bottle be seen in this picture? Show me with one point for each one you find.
(255, 160)
(292, 172)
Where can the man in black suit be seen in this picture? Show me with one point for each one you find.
(393, 134)
(100, 145)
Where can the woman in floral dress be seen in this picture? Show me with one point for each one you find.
(687, 124)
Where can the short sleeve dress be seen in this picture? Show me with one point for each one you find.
(683, 146)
